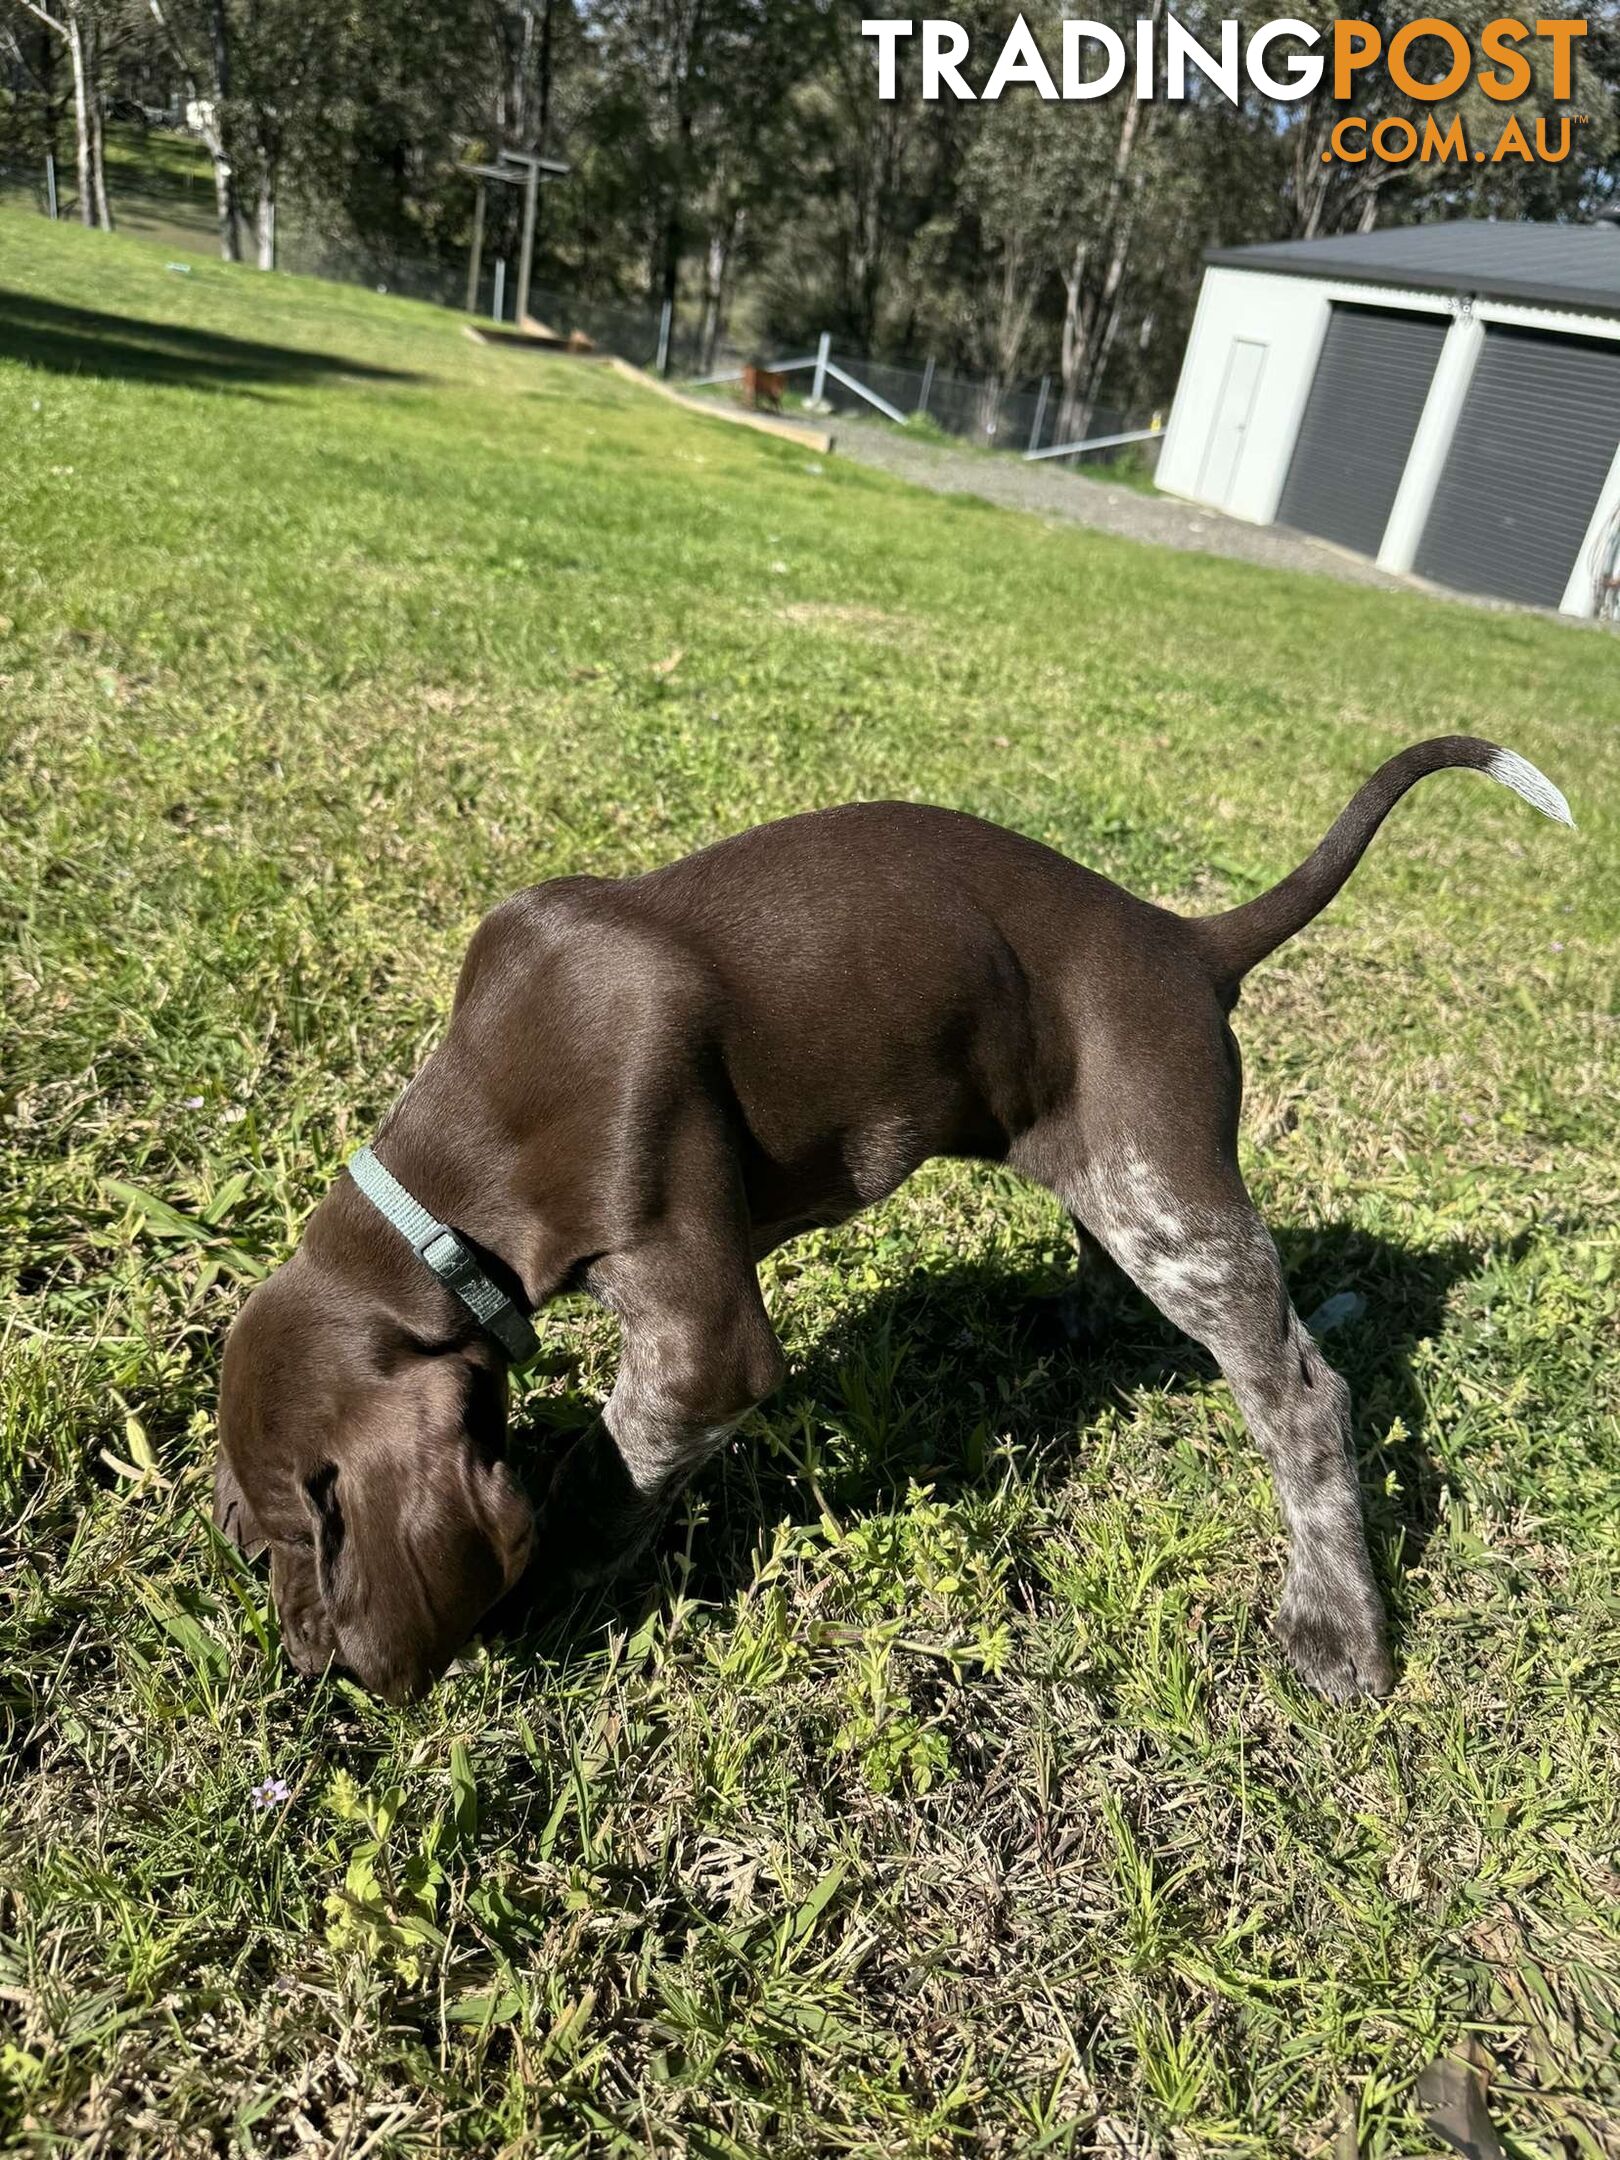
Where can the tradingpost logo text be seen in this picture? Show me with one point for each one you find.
(1428, 61)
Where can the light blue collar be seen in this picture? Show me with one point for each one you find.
(448, 1256)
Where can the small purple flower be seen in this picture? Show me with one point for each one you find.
(270, 1794)
(1557, 945)
(1469, 1118)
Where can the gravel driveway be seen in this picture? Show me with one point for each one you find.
(1135, 516)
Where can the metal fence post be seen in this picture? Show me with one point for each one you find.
(928, 383)
(50, 182)
(665, 318)
(1040, 412)
(498, 305)
(823, 350)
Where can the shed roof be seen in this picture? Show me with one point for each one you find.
(1564, 266)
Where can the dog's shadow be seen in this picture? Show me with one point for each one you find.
(916, 1382)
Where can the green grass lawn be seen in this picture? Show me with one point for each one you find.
(160, 186)
(938, 1789)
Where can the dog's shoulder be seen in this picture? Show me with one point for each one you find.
(539, 922)
(592, 944)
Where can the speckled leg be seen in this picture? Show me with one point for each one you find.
(1211, 1267)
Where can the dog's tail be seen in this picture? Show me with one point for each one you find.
(1239, 939)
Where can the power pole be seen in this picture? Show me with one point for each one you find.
(475, 261)
(513, 168)
(531, 191)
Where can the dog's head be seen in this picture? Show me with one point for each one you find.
(362, 1444)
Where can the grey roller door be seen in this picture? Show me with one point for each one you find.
(1365, 403)
(1534, 444)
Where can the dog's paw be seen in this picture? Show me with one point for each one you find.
(592, 1526)
(1064, 1322)
(586, 1562)
(1340, 1654)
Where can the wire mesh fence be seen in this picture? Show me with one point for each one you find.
(384, 270)
(1023, 417)
(996, 415)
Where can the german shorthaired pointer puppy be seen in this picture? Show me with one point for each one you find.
(647, 1083)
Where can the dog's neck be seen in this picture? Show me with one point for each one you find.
(442, 1142)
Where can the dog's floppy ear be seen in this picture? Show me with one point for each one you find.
(233, 1514)
(419, 1526)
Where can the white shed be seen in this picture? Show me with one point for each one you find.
(1445, 398)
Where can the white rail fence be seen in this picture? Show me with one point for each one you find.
(824, 369)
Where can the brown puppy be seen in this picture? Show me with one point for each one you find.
(760, 389)
(648, 1083)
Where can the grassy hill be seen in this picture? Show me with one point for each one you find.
(160, 182)
(938, 1789)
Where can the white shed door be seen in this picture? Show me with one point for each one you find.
(1224, 452)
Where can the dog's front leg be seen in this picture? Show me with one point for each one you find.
(1068, 1319)
(698, 1354)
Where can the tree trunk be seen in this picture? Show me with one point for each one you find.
(674, 233)
(47, 83)
(1072, 348)
(225, 196)
(1019, 291)
(543, 119)
(988, 409)
(1311, 178)
(98, 165)
(709, 329)
(264, 224)
(669, 256)
(98, 140)
(1109, 312)
(1091, 318)
(716, 269)
(230, 246)
(81, 121)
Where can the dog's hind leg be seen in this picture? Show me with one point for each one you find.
(1196, 1247)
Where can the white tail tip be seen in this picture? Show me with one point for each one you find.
(1522, 777)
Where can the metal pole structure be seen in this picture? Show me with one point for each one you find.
(1040, 412)
(666, 317)
(928, 384)
(818, 387)
(499, 307)
(531, 191)
(862, 390)
(475, 261)
(50, 182)
(1095, 442)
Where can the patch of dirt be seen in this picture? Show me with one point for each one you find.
(828, 611)
(1081, 500)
